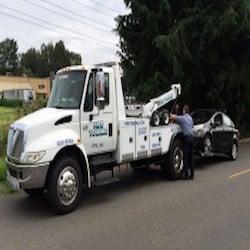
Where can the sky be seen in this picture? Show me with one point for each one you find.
(85, 26)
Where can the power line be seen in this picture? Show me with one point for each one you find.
(55, 25)
(91, 8)
(75, 13)
(47, 28)
(66, 16)
(104, 6)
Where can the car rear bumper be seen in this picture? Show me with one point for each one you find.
(26, 176)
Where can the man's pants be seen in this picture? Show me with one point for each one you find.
(188, 149)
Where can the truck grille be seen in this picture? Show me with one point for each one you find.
(15, 143)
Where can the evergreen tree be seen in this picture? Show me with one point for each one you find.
(203, 44)
(8, 56)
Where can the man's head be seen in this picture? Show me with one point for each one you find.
(186, 109)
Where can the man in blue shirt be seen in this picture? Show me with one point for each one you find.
(186, 123)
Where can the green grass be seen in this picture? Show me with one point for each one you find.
(6, 109)
(2, 170)
(7, 116)
(4, 185)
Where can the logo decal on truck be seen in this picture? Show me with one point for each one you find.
(98, 129)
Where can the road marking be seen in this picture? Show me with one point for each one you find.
(239, 173)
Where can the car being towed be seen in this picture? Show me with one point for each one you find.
(215, 134)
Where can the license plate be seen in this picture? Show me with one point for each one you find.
(13, 182)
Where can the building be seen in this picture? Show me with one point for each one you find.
(15, 87)
(22, 91)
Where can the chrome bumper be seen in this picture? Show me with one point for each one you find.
(26, 176)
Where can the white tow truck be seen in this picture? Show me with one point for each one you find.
(84, 130)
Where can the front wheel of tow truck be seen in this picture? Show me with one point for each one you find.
(65, 184)
(173, 166)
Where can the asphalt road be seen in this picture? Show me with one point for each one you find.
(142, 212)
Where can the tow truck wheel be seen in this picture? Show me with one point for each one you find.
(165, 118)
(155, 119)
(173, 166)
(65, 185)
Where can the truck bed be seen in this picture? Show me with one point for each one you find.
(138, 140)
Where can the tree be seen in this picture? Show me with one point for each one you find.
(49, 59)
(202, 44)
(8, 56)
(29, 61)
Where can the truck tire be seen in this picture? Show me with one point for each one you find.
(165, 118)
(155, 119)
(34, 192)
(173, 165)
(65, 185)
(233, 154)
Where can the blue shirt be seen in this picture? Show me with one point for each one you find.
(186, 122)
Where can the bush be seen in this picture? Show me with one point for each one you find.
(10, 103)
(37, 104)
(2, 170)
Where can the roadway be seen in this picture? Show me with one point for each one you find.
(142, 211)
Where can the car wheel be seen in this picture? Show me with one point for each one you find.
(207, 146)
(233, 155)
(65, 185)
(173, 166)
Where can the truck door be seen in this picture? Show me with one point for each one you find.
(97, 125)
(218, 133)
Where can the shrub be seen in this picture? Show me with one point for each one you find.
(10, 103)
(2, 170)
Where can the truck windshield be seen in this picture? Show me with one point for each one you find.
(67, 90)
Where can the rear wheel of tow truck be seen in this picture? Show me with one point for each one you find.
(173, 166)
(165, 117)
(233, 155)
(65, 185)
(155, 119)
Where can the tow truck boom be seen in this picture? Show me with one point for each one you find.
(158, 102)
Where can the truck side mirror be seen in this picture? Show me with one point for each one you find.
(100, 87)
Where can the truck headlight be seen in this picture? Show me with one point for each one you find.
(33, 157)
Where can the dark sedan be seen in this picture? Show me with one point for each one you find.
(215, 134)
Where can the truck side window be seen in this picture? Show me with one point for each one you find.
(89, 100)
(106, 83)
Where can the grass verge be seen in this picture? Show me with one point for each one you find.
(4, 185)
